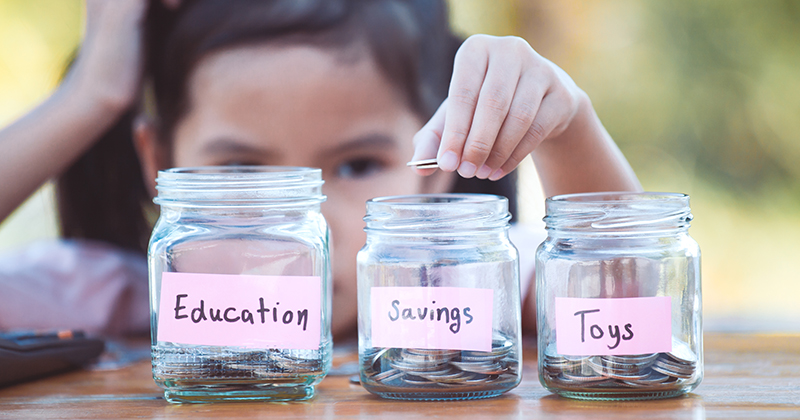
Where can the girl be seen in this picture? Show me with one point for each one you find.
(342, 85)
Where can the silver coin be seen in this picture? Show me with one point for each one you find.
(491, 368)
(652, 379)
(677, 375)
(419, 382)
(416, 367)
(633, 377)
(433, 352)
(388, 375)
(424, 163)
(612, 366)
(478, 381)
(664, 364)
(582, 378)
(682, 353)
(375, 357)
(453, 378)
(639, 359)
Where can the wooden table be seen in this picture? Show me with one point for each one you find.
(747, 376)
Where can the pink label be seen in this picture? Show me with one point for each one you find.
(240, 310)
(626, 326)
(451, 318)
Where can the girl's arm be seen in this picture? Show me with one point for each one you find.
(507, 102)
(101, 85)
(583, 158)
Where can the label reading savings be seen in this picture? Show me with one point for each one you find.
(448, 318)
(240, 310)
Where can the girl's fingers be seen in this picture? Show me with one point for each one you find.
(504, 100)
(469, 70)
(521, 113)
(428, 138)
(550, 115)
(494, 102)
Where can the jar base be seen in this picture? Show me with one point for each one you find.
(239, 394)
(621, 395)
(425, 396)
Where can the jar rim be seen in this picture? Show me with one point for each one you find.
(239, 171)
(618, 213)
(240, 186)
(429, 199)
(617, 196)
(443, 213)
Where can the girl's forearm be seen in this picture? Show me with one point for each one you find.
(584, 158)
(43, 143)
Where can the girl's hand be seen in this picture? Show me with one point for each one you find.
(504, 100)
(109, 65)
(101, 85)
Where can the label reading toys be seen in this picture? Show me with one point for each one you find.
(624, 326)
(445, 318)
(240, 310)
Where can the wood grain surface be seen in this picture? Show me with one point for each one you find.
(747, 376)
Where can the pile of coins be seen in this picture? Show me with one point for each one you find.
(252, 364)
(396, 367)
(276, 363)
(630, 371)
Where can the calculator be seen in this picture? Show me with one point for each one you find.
(27, 355)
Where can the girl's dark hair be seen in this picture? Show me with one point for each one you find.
(102, 195)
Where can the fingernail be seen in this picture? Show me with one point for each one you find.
(496, 175)
(448, 161)
(484, 172)
(467, 170)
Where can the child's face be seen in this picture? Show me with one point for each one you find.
(304, 106)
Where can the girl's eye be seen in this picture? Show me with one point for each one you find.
(359, 168)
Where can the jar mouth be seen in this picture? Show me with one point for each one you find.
(240, 186)
(437, 212)
(420, 200)
(619, 197)
(618, 212)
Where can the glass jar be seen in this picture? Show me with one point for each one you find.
(618, 297)
(438, 298)
(240, 284)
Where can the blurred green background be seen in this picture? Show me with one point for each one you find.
(702, 97)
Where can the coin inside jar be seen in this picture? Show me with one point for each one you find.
(426, 368)
(623, 371)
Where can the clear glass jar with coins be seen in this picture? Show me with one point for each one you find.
(619, 297)
(438, 298)
(240, 284)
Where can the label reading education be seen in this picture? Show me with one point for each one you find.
(240, 310)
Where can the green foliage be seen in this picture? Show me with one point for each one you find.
(731, 69)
